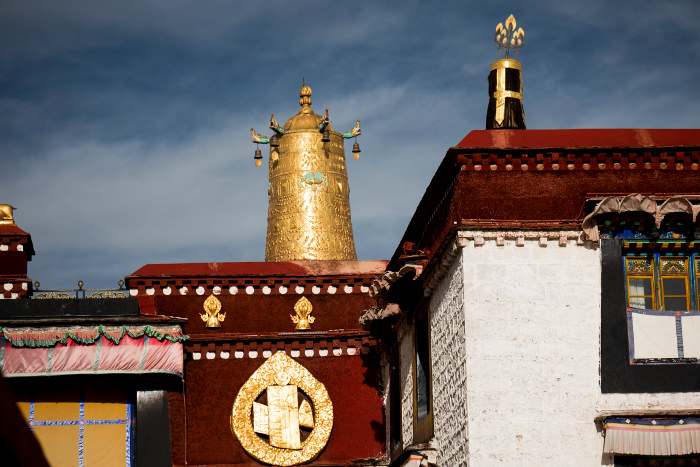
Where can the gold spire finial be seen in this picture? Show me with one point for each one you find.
(305, 99)
(508, 37)
(505, 110)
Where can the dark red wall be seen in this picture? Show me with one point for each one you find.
(212, 385)
(249, 314)
(200, 430)
(558, 195)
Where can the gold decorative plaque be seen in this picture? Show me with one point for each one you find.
(303, 318)
(282, 377)
(212, 307)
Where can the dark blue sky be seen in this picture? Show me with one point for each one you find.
(124, 125)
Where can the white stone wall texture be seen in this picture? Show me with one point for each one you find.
(531, 351)
(406, 374)
(449, 372)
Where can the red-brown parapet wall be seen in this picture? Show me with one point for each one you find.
(260, 269)
(505, 177)
(581, 138)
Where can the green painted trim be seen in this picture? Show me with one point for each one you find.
(101, 331)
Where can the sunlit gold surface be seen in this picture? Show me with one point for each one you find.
(211, 315)
(303, 318)
(501, 92)
(506, 63)
(6, 216)
(282, 377)
(308, 215)
(509, 37)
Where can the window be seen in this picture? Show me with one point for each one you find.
(622, 371)
(79, 422)
(423, 424)
(663, 281)
(422, 371)
(663, 323)
(395, 400)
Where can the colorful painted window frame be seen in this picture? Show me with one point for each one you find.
(656, 281)
(63, 418)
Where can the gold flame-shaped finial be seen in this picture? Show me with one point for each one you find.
(303, 319)
(212, 307)
(508, 37)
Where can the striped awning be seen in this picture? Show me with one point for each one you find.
(62, 350)
(652, 436)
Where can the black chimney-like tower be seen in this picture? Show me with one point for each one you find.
(505, 111)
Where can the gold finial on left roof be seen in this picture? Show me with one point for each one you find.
(6, 215)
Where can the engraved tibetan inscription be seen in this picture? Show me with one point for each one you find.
(282, 417)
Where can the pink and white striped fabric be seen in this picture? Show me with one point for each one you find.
(91, 349)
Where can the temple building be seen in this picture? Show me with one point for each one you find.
(247, 363)
(541, 308)
(542, 305)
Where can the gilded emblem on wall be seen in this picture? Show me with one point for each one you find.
(303, 318)
(212, 315)
(281, 418)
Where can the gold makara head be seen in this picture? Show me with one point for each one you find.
(508, 37)
(303, 318)
(212, 315)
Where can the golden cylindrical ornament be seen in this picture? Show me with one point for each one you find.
(308, 215)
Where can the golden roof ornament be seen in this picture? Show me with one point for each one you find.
(507, 37)
(308, 215)
(6, 214)
(505, 110)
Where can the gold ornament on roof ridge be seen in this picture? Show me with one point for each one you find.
(507, 37)
(282, 377)
(6, 214)
(303, 318)
(308, 215)
(212, 315)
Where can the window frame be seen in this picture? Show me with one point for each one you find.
(423, 427)
(617, 375)
(691, 275)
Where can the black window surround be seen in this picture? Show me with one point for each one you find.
(616, 373)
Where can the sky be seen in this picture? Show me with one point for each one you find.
(124, 126)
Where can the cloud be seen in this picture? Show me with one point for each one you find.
(124, 126)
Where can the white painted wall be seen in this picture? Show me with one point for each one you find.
(406, 374)
(449, 368)
(531, 321)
